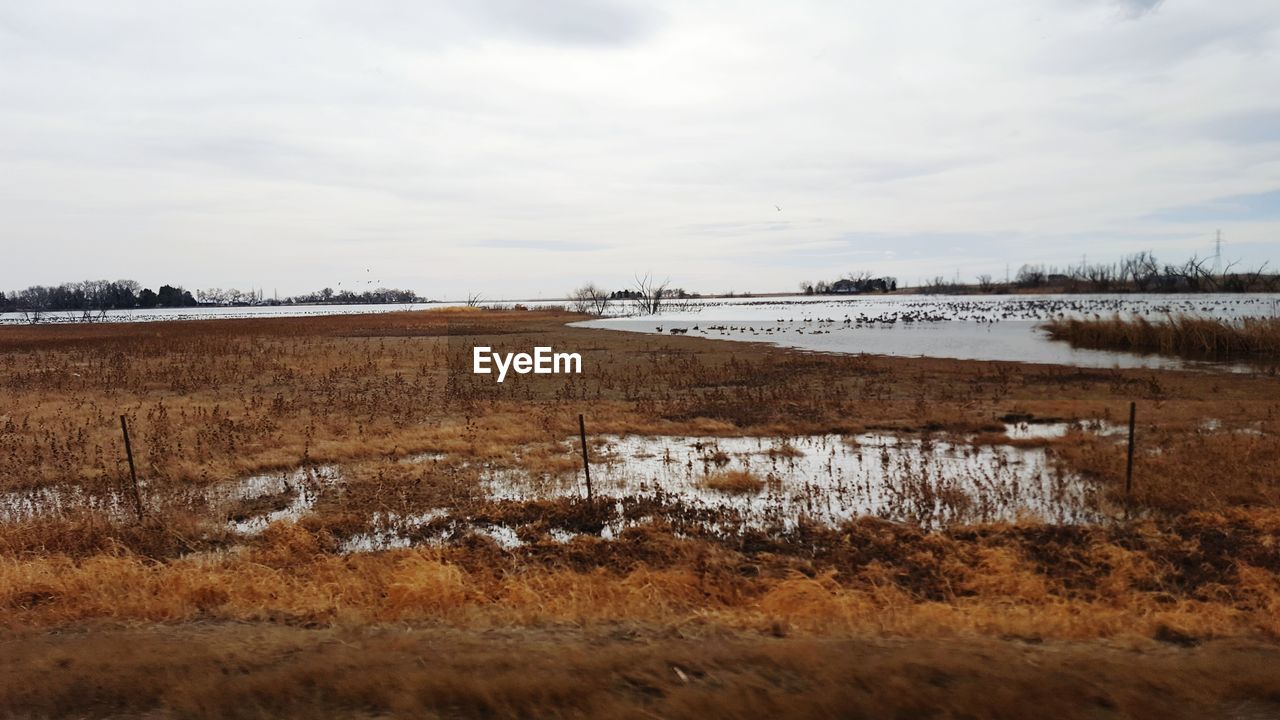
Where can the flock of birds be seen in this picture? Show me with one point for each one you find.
(988, 312)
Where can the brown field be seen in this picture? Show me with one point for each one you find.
(1248, 338)
(1175, 612)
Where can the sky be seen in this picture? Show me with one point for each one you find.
(518, 149)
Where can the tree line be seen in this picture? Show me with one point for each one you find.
(646, 297)
(1138, 272)
(93, 297)
(233, 297)
(855, 282)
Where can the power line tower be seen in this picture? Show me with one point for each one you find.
(1217, 254)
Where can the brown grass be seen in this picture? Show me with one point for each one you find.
(1184, 335)
(734, 482)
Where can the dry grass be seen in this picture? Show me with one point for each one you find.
(1184, 335)
(1204, 576)
(733, 482)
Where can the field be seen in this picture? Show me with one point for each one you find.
(322, 530)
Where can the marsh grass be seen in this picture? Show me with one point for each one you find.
(734, 482)
(1183, 335)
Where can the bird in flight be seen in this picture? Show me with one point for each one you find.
(779, 209)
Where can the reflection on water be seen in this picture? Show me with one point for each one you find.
(826, 479)
(296, 493)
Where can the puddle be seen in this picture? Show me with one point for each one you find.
(21, 505)
(298, 490)
(1054, 430)
(391, 530)
(827, 479)
(423, 457)
(1214, 425)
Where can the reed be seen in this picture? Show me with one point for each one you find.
(734, 482)
(1183, 335)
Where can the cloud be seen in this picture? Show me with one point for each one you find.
(540, 245)
(588, 22)
(1138, 8)
(467, 147)
(1250, 207)
(1251, 127)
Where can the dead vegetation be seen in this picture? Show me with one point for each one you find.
(735, 482)
(1184, 335)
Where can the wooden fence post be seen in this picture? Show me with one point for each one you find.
(133, 473)
(586, 465)
(1128, 470)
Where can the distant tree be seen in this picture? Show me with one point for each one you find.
(1030, 276)
(984, 283)
(148, 298)
(649, 294)
(590, 299)
(1141, 269)
(170, 296)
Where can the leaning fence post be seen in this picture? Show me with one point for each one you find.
(586, 465)
(1128, 470)
(133, 473)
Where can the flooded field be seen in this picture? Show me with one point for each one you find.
(721, 486)
(998, 327)
(766, 483)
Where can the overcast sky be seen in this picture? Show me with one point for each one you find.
(517, 148)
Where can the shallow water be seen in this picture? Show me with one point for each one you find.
(998, 327)
(827, 479)
(822, 479)
(1051, 430)
(20, 505)
(303, 486)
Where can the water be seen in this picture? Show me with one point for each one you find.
(303, 487)
(826, 479)
(997, 327)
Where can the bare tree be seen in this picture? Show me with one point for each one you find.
(590, 299)
(1031, 276)
(1100, 276)
(984, 283)
(649, 294)
(1141, 269)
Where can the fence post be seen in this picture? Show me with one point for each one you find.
(133, 473)
(586, 465)
(1128, 470)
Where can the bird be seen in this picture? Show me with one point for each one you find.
(779, 209)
